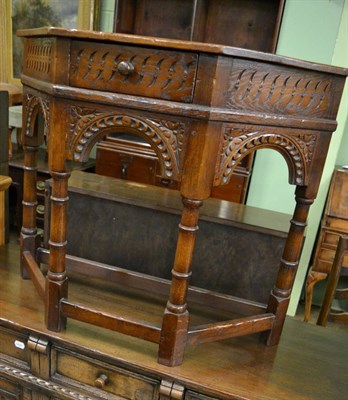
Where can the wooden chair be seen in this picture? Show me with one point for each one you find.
(5, 182)
(331, 290)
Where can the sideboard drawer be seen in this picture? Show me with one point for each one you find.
(14, 345)
(108, 379)
(337, 223)
(330, 238)
(329, 255)
(155, 73)
(10, 390)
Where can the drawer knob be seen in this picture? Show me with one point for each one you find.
(125, 68)
(40, 185)
(40, 209)
(101, 381)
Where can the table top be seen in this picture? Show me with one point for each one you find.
(310, 363)
(178, 44)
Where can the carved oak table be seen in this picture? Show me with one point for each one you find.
(202, 108)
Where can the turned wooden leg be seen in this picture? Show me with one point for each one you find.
(280, 295)
(56, 280)
(176, 315)
(312, 278)
(28, 237)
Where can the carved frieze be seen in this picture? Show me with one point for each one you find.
(38, 58)
(167, 138)
(277, 90)
(297, 149)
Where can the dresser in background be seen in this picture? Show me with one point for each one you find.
(334, 224)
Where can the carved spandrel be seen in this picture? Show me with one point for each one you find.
(274, 89)
(167, 138)
(148, 72)
(34, 104)
(296, 147)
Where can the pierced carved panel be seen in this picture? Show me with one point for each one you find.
(167, 138)
(38, 58)
(297, 149)
(139, 71)
(264, 88)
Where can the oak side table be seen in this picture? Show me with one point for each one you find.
(202, 108)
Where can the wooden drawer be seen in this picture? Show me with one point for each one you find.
(118, 382)
(330, 238)
(328, 255)
(155, 73)
(131, 160)
(121, 158)
(337, 223)
(14, 345)
(235, 190)
(10, 390)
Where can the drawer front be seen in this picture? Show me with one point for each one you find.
(14, 345)
(330, 238)
(124, 166)
(113, 380)
(337, 223)
(155, 73)
(328, 255)
(10, 390)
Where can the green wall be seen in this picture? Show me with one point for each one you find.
(313, 30)
(107, 15)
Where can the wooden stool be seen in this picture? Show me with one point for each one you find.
(331, 289)
(5, 182)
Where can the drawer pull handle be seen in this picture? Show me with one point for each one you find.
(101, 381)
(125, 68)
(40, 185)
(19, 344)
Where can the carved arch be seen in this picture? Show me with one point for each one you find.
(35, 104)
(296, 150)
(165, 138)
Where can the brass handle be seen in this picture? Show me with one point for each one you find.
(125, 68)
(40, 185)
(101, 381)
(40, 209)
